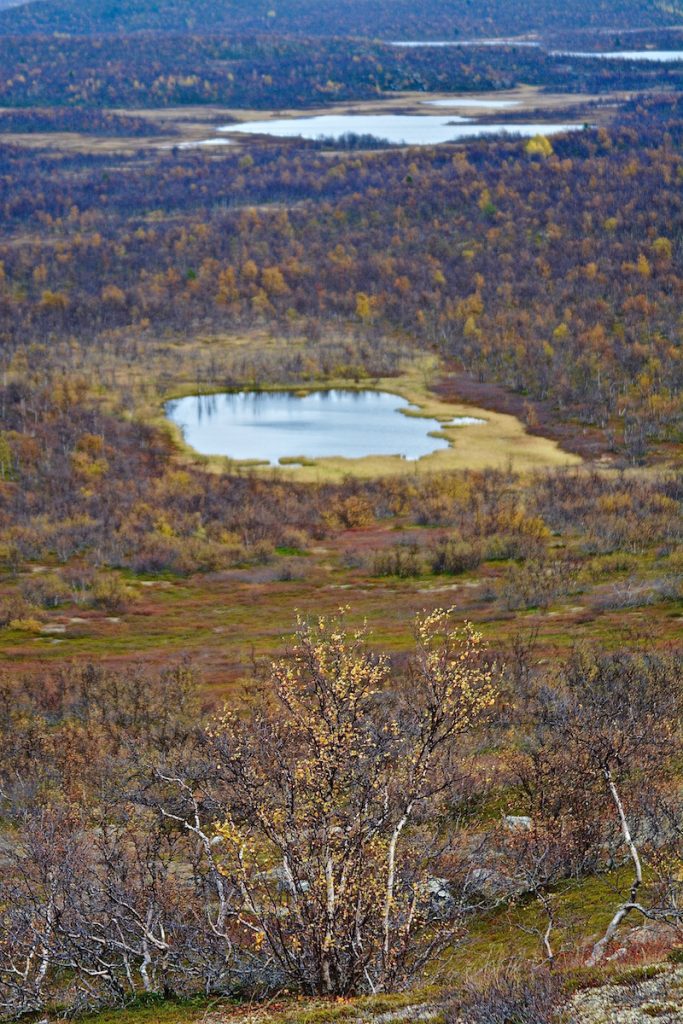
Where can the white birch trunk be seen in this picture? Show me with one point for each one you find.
(391, 878)
(625, 909)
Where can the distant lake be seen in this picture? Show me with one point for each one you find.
(481, 104)
(464, 42)
(398, 129)
(274, 425)
(661, 56)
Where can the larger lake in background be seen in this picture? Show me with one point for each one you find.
(663, 56)
(412, 43)
(399, 129)
(660, 56)
(273, 425)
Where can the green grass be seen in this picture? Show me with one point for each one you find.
(583, 909)
(159, 1011)
(285, 1010)
(219, 618)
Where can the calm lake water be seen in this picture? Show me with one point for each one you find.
(269, 426)
(399, 129)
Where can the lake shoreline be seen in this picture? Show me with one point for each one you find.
(504, 442)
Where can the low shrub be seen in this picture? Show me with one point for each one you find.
(537, 584)
(110, 593)
(46, 590)
(452, 557)
(637, 593)
(402, 560)
(509, 997)
(605, 566)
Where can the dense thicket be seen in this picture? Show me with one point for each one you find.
(332, 837)
(408, 19)
(80, 120)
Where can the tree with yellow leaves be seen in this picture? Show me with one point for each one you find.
(329, 838)
(540, 145)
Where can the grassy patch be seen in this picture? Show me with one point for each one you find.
(280, 1011)
(159, 1011)
(583, 910)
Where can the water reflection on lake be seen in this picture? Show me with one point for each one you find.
(270, 426)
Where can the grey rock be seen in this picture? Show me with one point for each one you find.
(517, 822)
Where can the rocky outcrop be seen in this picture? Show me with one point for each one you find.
(640, 995)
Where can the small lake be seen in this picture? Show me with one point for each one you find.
(397, 129)
(274, 425)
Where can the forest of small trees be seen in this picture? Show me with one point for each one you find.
(392, 19)
(556, 275)
(75, 119)
(149, 70)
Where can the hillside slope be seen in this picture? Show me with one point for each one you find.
(414, 19)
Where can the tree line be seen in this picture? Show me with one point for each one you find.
(392, 19)
(147, 70)
(68, 119)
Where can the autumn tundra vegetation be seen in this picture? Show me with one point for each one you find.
(336, 834)
(328, 741)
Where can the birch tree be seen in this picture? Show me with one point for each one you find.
(609, 730)
(327, 837)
